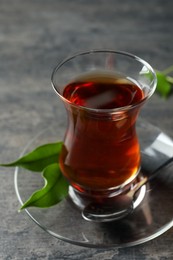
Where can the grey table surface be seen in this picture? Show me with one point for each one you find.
(34, 37)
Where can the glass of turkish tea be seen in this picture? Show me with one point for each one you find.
(103, 92)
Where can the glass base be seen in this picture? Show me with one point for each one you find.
(153, 214)
(107, 208)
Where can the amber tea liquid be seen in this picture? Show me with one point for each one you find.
(101, 150)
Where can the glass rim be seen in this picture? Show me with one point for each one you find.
(152, 84)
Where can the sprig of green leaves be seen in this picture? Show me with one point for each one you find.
(164, 82)
(44, 159)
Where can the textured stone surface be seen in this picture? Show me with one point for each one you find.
(34, 36)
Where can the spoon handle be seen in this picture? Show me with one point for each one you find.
(153, 174)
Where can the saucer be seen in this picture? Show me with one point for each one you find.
(151, 218)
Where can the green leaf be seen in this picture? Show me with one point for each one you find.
(163, 86)
(39, 158)
(54, 190)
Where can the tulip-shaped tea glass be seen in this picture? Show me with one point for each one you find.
(103, 92)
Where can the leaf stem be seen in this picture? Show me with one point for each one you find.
(169, 79)
(168, 70)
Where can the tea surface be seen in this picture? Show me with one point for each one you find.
(103, 92)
